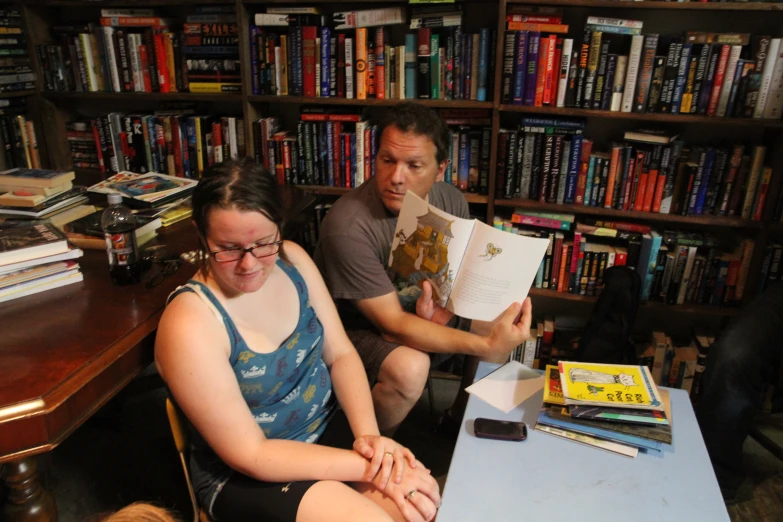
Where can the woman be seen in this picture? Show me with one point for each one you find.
(252, 348)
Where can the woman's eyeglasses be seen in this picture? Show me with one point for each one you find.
(235, 254)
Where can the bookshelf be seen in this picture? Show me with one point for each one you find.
(53, 109)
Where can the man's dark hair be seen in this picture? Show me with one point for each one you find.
(240, 184)
(421, 120)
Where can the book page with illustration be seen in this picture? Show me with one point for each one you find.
(476, 271)
(428, 245)
(497, 269)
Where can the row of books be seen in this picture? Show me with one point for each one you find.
(18, 139)
(321, 151)
(674, 267)
(176, 143)
(134, 50)
(329, 149)
(318, 59)
(613, 407)
(550, 160)
(615, 67)
(16, 73)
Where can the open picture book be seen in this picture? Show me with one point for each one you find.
(476, 271)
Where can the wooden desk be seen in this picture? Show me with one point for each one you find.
(63, 354)
(547, 478)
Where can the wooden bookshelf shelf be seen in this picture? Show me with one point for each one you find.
(151, 96)
(642, 116)
(715, 221)
(663, 5)
(451, 104)
(646, 305)
(17, 94)
(338, 191)
(775, 227)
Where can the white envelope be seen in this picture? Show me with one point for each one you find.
(508, 386)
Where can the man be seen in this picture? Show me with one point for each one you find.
(398, 329)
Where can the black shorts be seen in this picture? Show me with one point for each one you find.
(373, 348)
(244, 499)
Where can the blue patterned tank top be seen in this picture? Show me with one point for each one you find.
(288, 391)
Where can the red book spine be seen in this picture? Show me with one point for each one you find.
(614, 162)
(620, 258)
(658, 196)
(649, 190)
(217, 141)
(561, 278)
(641, 186)
(95, 135)
(557, 255)
(145, 68)
(286, 159)
(160, 60)
(720, 73)
(553, 71)
(308, 60)
(543, 53)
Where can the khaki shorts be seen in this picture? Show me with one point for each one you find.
(373, 348)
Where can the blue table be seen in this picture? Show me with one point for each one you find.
(549, 479)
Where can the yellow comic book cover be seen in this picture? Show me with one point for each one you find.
(616, 385)
(553, 392)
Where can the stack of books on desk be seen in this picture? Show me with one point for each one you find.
(34, 257)
(38, 193)
(610, 406)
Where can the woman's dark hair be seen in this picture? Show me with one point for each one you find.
(239, 184)
(420, 120)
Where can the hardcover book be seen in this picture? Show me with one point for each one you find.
(25, 242)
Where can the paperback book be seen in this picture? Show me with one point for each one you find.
(476, 271)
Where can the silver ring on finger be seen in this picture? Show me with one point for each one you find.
(411, 494)
(389, 453)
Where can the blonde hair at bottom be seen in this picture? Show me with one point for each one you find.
(141, 512)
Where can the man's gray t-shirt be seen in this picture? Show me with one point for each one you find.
(355, 243)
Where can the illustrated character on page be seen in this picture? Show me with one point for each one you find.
(423, 255)
(491, 252)
(593, 377)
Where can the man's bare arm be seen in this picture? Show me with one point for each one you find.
(386, 313)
